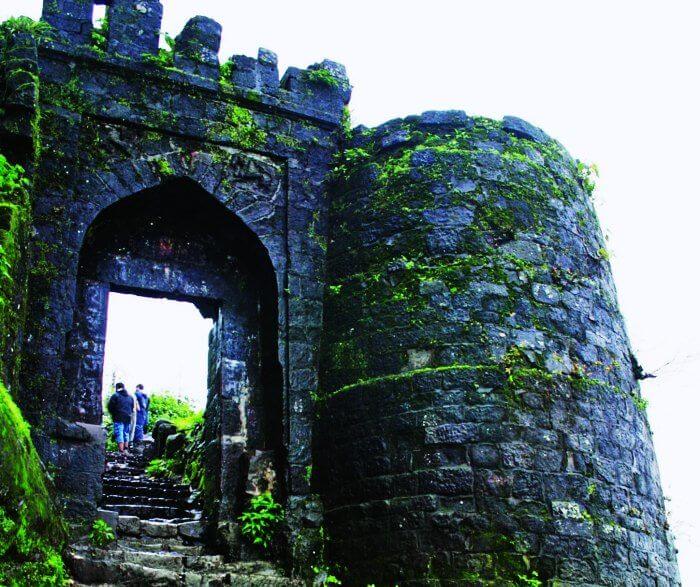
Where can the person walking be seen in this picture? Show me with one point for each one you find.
(121, 407)
(142, 417)
(134, 416)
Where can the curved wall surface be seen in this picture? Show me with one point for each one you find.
(482, 420)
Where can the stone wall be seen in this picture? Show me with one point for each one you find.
(481, 420)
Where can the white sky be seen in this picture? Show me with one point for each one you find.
(615, 81)
(159, 343)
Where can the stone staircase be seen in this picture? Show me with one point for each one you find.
(159, 538)
(129, 491)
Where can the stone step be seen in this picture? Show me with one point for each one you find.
(151, 512)
(189, 529)
(130, 473)
(143, 483)
(151, 490)
(147, 544)
(145, 500)
(115, 567)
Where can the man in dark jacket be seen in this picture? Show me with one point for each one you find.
(120, 407)
(142, 415)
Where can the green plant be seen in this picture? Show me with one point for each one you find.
(531, 580)
(13, 183)
(242, 129)
(261, 519)
(165, 56)
(24, 24)
(165, 406)
(587, 175)
(323, 576)
(98, 37)
(164, 167)
(161, 468)
(102, 534)
(346, 123)
(225, 71)
(639, 402)
(323, 76)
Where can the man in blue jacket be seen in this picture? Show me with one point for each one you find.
(120, 407)
(142, 415)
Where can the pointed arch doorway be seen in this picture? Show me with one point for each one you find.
(178, 242)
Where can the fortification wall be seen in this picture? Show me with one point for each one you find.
(481, 420)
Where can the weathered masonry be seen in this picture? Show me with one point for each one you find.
(415, 324)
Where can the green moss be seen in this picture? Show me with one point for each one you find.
(313, 233)
(165, 58)
(407, 375)
(290, 142)
(23, 24)
(323, 77)
(31, 533)
(164, 168)
(69, 96)
(242, 129)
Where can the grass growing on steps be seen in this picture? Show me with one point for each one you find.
(31, 533)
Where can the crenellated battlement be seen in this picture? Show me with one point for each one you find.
(132, 32)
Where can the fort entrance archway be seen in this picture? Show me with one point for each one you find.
(178, 242)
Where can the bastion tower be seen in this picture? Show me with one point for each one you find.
(415, 325)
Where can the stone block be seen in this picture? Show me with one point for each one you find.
(158, 529)
(129, 525)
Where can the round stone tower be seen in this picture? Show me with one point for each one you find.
(481, 420)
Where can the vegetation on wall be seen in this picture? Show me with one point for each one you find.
(242, 129)
(14, 223)
(323, 77)
(187, 464)
(261, 520)
(24, 24)
(165, 56)
(31, 533)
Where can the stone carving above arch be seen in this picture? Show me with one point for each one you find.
(251, 186)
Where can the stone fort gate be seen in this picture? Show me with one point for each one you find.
(421, 315)
(172, 182)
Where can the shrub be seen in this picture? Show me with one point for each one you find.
(262, 518)
(165, 57)
(24, 24)
(102, 534)
(161, 468)
(165, 406)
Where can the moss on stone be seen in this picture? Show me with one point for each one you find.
(32, 534)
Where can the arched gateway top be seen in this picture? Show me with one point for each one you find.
(250, 186)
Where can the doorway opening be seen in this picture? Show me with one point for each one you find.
(160, 343)
(180, 243)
